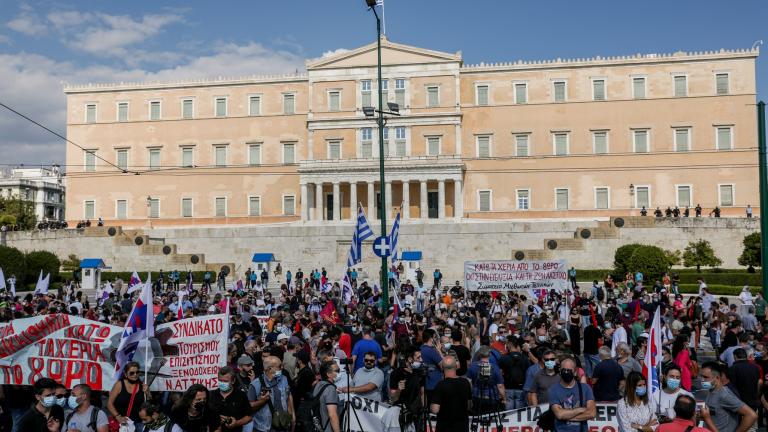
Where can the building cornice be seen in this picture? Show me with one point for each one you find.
(191, 83)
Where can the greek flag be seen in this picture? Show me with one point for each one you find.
(393, 237)
(362, 232)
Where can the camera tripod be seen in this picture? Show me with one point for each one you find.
(486, 407)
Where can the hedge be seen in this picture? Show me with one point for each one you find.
(718, 289)
(13, 262)
(45, 261)
(731, 277)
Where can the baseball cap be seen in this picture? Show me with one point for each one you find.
(244, 360)
(282, 336)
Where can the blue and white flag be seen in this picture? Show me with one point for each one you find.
(326, 288)
(346, 290)
(393, 237)
(139, 326)
(362, 232)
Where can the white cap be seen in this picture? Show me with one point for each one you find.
(282, 336)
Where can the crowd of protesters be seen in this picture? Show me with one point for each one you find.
(442, 351)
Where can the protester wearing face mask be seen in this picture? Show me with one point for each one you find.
(544, 379)
(83, 416)
(726, 412)
(634, 411)
(431, 357)
(572, 402)
(672, 389)
(128, 395)
(367, 381)
(192, 413)
(155, 420)
(41, 415)
(270, 399)
(229, 402)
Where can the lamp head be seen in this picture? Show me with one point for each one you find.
(369, 111)
(370, 3)
(393, 108)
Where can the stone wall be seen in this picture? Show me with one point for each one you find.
(444, 245)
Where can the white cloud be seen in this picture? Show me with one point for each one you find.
(334, 52)
(5, 39)
(63, 19)
(113, 33)
(27, 22)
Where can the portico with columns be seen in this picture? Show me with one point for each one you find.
(428, 188)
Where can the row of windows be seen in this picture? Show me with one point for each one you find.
(220, 205)
(602, 197)
(600, 89)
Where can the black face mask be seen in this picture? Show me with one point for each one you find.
(567, 375)
(199, 406)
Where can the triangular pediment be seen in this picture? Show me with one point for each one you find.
(391, 54)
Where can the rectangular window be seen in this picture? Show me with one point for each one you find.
(122, 111)
(188, 108)
(220, 155)
(154, 110)
(154, 207)
(481, 95)
(640, 139)
(521, 93)
(483, 146)
(90, 160)
(681, 85)
(221, 107)
(121, 209)
(289, 205)
(154, 158)
(90, 113)
(602, 198)
(433, 96)
(254, 105)
(289, 103)
(484, 200)
(598, 89)
(638, 87)
(366, 143)
(254, 206)
(724, 138)
(684, 196)
(365, 93)
(400, 147)
(559, 91)
(334, 100)
(400, 92)
(187, 157)
(433, 146)
(521, 146)
(90, 209)
(726, 195)
(600, 142)
(722, 85)
(289, 154)
(385, 139)
(523, 199)
(122, 158)
(384, 92)
(254, 154)
(221, 206)
(561, 199)
(642, 197)
(334, 149)
(682, 139)
(186, 207)
(561, 143)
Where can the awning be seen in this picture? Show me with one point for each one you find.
(92, 263)
(263, 257)
(410, 256)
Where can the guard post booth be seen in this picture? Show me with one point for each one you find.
(412, 261)
(263, 261)
(92, 268)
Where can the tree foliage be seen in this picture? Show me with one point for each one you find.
(751, 255)
(22, 210)
(13, 262)
(700, 253)
(72, 263)
(652, 261)
(45, 261)
(674, 257)
(621, 256)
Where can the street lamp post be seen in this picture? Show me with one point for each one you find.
(763, 195)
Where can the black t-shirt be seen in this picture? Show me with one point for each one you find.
(33, 421)
(462, 353)
(304, 385)
(591, 336)
(729, 341)
(235, 405)
(584, 306)
(411, 391)
(744, 376)
(608, 374)
(208, 420)
(453, 395)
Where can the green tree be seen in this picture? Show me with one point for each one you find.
(621, 256)
(13, 262)
(23, 210)
(45, 261)
(699, 254)
(652, 261)
(72, 263)
(751, 256)
(673, 256)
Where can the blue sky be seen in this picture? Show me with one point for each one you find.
(43, 43)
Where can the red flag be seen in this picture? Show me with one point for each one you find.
(329, 313)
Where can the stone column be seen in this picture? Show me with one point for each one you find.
(371, 201)
(353, 200)
(441, 199)
(319, 201)
(388, 200)
(406, 200)
(423, 200)
(458, 205)
(336, 201)
(304, 198)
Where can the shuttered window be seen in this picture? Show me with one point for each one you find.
(561, 144)
(254, 105)
(366, 143)
(642, 197)
(220, 153)
(186, 207)
(90, 209)
(384, 93)
(601, 198)
(365, 93)
(561, 199)
(90, 113)
(90, 160)
(289, 208)
(400, 92)
(187, 157)
(122, 159)
(221, 206)
(722, 84)
(334, 149)
(154, 110)
(433, 146)
(682, 139)
(724, 138)
(154, 158)
(289, 156)
(187, 108)
(683, 196)
(433, 96)
(154, 208)
(598, 89)
(334, 100)
(600, 139)
(681, 85)
(221, 107)
(483, 146)
(521, 146)
(484, 198)
(121, 209)
(482, 94)
(289, 104)
(400, 147)
(640, 138)
(122, 111)
(726, 195)
(638, 88)
(254, 206)
(523, 199)
(521, 93)
(559, 91)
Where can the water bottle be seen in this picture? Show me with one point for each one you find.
(72, 425)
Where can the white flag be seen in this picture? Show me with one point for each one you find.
(2, 280)
(42, 283)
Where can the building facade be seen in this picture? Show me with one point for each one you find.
(578, 138)
(41, 186)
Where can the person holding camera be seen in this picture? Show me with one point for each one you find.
(405, 390)
(488, 393)
(270, 399)
(431, 358)
(229, 402)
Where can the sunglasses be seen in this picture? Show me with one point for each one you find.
(548, 359)
(132, 373)
(369, 361)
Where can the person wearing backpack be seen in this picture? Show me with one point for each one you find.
(513, 367)
(270, 399)
(321, 412)
(84, 417)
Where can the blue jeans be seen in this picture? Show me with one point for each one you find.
(514, 399)
(590, 361)
(419, 305)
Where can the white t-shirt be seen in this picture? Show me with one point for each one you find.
(80, 421)
(746, 298)
(668, 401)
(619, 335)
